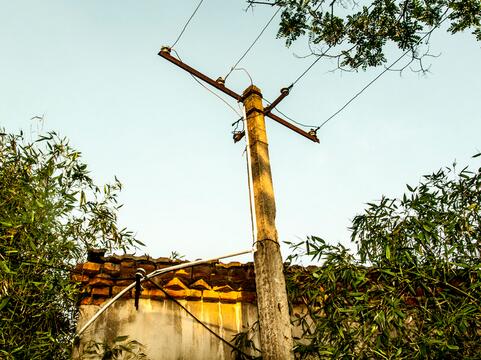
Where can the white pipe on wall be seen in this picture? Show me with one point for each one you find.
(149, 276)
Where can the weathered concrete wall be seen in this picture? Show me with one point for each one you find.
(222, 296)
(166, 330)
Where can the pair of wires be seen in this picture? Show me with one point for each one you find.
(314, 127)
(234, 67)
(356, 95)
(209, 90)
(184, 28)
(242, 118)
(304, 73)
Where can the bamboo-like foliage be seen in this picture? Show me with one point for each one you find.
(121, 348)
(412, 292)
(51, 212)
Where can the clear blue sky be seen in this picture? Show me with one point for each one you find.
(92, 68)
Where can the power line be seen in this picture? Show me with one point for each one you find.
(245, 70)
(187, 23)
(318, 58)
(209, 90)
(296, 122)
(317, 127)
(233, 347)
(253, 43)
(295, 82)
(289, 118)
(310, 66)
(378, 76)
(217, 95)
(324, 53)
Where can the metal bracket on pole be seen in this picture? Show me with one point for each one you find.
(139, 275)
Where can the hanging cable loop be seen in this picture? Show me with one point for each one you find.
(237, 135)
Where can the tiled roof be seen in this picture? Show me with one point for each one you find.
(103, 277)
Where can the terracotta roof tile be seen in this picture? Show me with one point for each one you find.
(212, 282)
(200, 285)
(175, 284)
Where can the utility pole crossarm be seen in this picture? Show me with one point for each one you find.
(219, 85)
(165, 53)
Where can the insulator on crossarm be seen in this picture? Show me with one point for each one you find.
(165, 49)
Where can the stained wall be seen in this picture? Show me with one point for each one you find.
(222, 296)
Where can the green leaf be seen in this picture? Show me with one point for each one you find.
(43, 231)
(389, 272)
(452, 347)
(4, 302)
(121, 338)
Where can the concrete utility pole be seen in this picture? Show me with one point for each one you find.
(275, 325)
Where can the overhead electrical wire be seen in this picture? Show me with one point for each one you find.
(378, 76)
(250, 181)
(296, 122)
(217, 95)
(317, 127)
(234, 67)
(253, 43)
(187, 23)
(289, 118)
(319, 57)
(177, 54)
(209, 90)
(247, 73)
